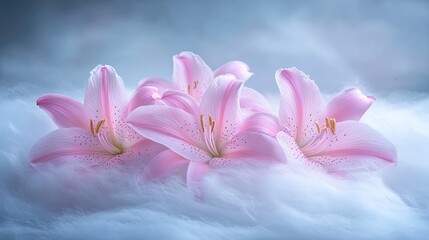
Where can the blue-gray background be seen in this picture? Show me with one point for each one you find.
(49, 46)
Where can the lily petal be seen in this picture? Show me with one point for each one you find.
(250, 147)
(164, 164)
(354, 146)
(65, 111)
(144, 95)
(68, 144)
(161, 84)
(105, 100)
(195, 175)
(301, 104)
(239, 69)
(172, 127)
(179, 100)
(261, 122)
(252, 100)
(350, 104)
(293, 153)
(105, 96)
(139, 154)
(191, 74)
(225, 92)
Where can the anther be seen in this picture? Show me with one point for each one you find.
(333, 125)
(202, 122)
(212, 126)
(99, 125)
(195, 84)
(91, 125)
(327, 123)
(189, 88)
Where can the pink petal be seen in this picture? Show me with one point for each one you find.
(138, 155)
(301, 104)
(354, 146)
(172, 127)
(252, 100)
(78, 145)
(261, 122)
(350, 104)
(191, 74)
(160, 83)
(239, 69)
(195, 175)
(250, 147)
(221, 104)
(105, 97)
(65, 111)
(68, 144)
(179, 100)
(165, 163)
(144, 95)
(293, 153)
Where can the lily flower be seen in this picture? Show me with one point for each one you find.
(95, 132)
(208, 139)
(191, 75)
(328, 136)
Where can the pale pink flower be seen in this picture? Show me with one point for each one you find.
(93, 133)
(191, 75)
(328, 136)
(210, 137)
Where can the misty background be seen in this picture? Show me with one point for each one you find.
(50, 46)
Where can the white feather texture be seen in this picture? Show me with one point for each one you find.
(276, 202)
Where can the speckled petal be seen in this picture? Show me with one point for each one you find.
(354, 147)
(172, 127)
(301, 104)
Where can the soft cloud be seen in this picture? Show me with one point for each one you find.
(269, 203)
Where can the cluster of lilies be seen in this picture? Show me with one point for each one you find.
(204, 119)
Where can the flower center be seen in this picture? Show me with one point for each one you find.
(208, 132)
(330, 124)
(109, 142)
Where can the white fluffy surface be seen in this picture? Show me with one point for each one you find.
(270, 203)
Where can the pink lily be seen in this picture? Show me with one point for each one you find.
(94, 133)
(191, 75)
(210, 138)
(328, 136)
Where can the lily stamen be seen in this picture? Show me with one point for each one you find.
(99, 125)
(318, 127)
(91, 125)
(333, 124)
(327, 123)
(209, 136)
(212, 125)
(202, 122)
(95, 130)
(330, 123)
